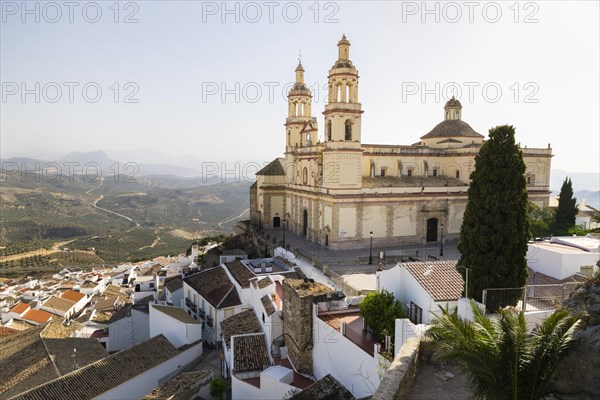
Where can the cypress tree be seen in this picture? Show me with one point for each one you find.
(567, 209)
(495, 228)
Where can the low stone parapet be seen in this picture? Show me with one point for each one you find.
(399, 378)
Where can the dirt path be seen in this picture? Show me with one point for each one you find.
(112, 212)
(32, 253)
(153, 243)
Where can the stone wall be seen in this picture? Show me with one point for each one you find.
(399, 378)
(297, 329)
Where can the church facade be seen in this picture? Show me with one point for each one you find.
(340, 192)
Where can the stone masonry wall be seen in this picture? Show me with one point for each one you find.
(399, 378)
(297, 329)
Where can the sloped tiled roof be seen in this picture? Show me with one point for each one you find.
(20, 308)
(262, 283)
(177, 313)
(326, 388)
(250, 353)
(174, 284)
(30, 358)
(268, 304)
(58, 304)
(24, 362)
(103, 375)
(5, 331)
(126, 312)
(183, 386)
(240, 272)
(539, 278)
(72, 296)
(238, 324)
(439, 278)
(215, 287)
(275, 167)
(38, 316)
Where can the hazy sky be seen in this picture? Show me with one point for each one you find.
(209, 78)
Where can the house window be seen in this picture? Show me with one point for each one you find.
(382, 171)
(151, 284)
(415, 313)
(435, 172)
(457, 174)
(263, 317)
(305, 176)
(329, 131)
(409, 172)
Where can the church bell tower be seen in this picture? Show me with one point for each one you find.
(343, 158)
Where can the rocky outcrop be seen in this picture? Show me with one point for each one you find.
(578, 375)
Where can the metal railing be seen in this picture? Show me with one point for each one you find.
(528, 298)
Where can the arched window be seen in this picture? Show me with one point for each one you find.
(305, 176)
(348, 131)
(329, 131)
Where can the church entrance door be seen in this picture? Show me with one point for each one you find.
(305, 223)
(432, 229)
(276, 222)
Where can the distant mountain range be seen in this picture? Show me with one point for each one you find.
(151, 162)
(144, 163)
(77, 161)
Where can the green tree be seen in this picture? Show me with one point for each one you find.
(500, 358)
(567, 209)
(217, 388)
(380, 310)
(541, 220)
(495, 228)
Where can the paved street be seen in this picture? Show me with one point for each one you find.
(346, 262)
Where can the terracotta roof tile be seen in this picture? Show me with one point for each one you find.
(183, 386)
(215, 287)
(240, 272)
(20, 308)
(439, 278)
(326, 388)
(37, 316)
(58, 304)
(238, 324)
(72, 296)
(274, 168)
(177, 313)
(99, 377)
(268, 305)
(174, 284)
(250, 353)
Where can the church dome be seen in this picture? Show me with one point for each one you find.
(300, 89)
(452, 128)
(453, 103)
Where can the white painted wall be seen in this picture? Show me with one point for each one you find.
(179, 333)
(556, 264)
(335, 354)
(128, 331)
(274, 385)
(144, 383)
(175, 298)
